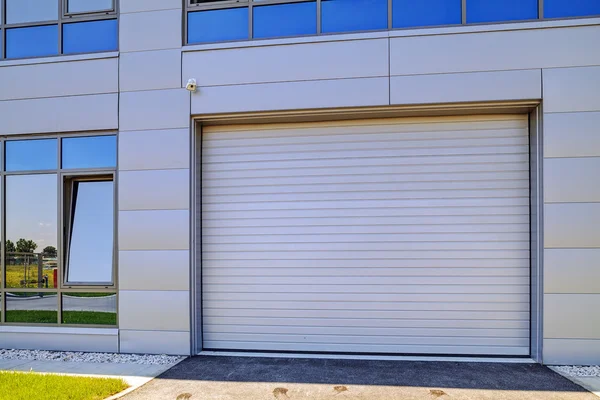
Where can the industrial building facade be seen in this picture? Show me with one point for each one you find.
(364, 177)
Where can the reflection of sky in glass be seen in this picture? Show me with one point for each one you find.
(89, 152)
(31, 208)
(91, 247)
(77, 6)
(29, 155)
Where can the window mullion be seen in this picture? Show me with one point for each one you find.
(250, 20)
(60, 31)
(318, 17)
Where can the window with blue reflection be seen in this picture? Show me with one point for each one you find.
(218, 25)
(90, 237)
(29, 155)
(411, 13)
(89, 152)
(281, 20)
(501, 10)
(571, 8)
(89, 37)
(34, 41)
(353, 15)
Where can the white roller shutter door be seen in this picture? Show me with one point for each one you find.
(374, 236)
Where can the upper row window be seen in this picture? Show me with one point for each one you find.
(39, 28)
(77, 153)
(226, 20)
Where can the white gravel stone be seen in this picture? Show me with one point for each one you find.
(579, 370)
(43, 355)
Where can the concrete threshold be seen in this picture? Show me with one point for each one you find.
(515, 360)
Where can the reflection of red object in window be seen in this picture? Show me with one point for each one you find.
(55, 276)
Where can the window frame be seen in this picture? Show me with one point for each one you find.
(64, 17)
(66, 193)
(67, 14)
(61, 288)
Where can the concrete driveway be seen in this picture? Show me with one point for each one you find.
(250, 378)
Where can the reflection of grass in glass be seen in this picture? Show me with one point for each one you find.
(89, 318)
(69, 317)
(32, 316)
(30, 385)
(15, 276)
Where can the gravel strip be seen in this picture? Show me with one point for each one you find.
(42, 355)
(579, 370)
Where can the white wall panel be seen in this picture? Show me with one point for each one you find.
(299, 62)
(572, 316)
(572, 225)
(131, 6)
(59, 114)
(572, 134)
(154, 230)
(154, 30)
(572, 180)
(154, 154)
(571, 351)
(494, 51)
(149, 270)
(155, 342)
(477, 86)
(58, 79)
(149, 70)
(154, 310)
(154, 109)
(572, 89)
(154, 190)
(154, 149)
(572, 271)
(292, 95)
(13, 338)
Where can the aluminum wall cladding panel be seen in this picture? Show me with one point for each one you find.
(373, 236)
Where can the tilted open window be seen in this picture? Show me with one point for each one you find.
(89, 230)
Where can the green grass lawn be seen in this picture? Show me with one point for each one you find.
(30, 385)
(88, 294)
(89, 317)
(69, 317)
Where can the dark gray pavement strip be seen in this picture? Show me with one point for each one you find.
(249, 378)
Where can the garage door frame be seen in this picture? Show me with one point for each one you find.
(533, 109)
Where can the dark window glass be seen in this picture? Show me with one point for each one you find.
(89, 152)
(34, 41)
(90, 232)
(31, 231)
(285, 20)
(89, 308)
(88, 37)
(28, 155)
(218, 25)
(32, 308)
(353, 15)
(410, 13)
(571, 8)
(501, 10)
